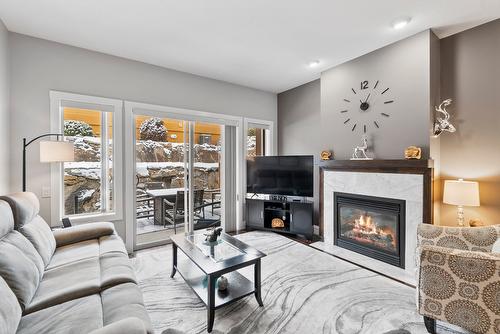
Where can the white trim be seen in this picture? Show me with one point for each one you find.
(271, 148)
(136, 108)
(58, 99)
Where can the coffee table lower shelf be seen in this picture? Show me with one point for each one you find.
(239, 286)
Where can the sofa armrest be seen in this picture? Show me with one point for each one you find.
(71, 235)
(129, 325)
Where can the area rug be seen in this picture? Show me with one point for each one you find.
(304, 291)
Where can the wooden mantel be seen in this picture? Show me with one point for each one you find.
(383, 165)
(423, 167)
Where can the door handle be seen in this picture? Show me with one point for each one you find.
(291, 217)
(262, 215)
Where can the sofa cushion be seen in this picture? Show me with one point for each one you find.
(111, 243)
(68, 282)
(10, 311)
(20, 266)
(77, 316)
(130, 325)
(6, 219)
(74, 252)
(26, 207)
(18, 240)
(40, 235)
(123, 301)
(116, 268)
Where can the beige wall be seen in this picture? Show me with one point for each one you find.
(4, 110)
(470, 75)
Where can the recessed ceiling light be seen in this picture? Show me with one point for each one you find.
(314, 63)
(401, 22)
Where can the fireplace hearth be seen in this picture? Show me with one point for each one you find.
(372, 226)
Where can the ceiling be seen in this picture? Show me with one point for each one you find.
(264, 44)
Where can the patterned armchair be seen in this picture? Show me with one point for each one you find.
(459, 277)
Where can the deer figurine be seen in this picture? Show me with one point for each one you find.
(360, 151)
(443, 124)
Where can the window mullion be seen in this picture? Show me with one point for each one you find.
(104, 162)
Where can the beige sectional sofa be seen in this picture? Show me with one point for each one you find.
(73, 280)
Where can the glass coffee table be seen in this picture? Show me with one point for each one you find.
(213, 260)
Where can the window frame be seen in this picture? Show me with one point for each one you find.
(59, 100)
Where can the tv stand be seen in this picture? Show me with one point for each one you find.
(296, 215)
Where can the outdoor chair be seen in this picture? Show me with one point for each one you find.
(174, 211)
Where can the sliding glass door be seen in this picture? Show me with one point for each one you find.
(160, 177)
(177, 173)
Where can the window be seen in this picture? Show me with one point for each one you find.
(90, 186)
(88, 181)
(205, 139)
(258, 140)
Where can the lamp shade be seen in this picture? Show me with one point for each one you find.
(460, 192)
(56, 151)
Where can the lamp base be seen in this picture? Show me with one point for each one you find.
(460, 216)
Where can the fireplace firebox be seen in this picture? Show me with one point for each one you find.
(372, 226)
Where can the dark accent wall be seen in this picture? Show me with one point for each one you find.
(309, 118)
(299, 124)
(404, 68)
(470, 75)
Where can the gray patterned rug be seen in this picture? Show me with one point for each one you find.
(303, 289)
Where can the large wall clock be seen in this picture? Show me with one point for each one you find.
(365, 108)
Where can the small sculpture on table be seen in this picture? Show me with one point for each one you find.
(360, 151)
(212, 234)
(326, 155)
(413, 152)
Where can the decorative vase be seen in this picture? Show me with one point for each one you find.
(222, 283)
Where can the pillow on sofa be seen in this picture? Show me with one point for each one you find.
(10, 311)
(26, 207)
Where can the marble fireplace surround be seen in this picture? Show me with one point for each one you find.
(399, 179)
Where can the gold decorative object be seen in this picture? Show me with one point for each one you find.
(326, 155)
(413, 152)
(476, 223)
(277, 223)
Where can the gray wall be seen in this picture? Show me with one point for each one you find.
(39, 66)
(470, 73)
(4, 110)
(404, 68)
(309, 118)
(299, 122)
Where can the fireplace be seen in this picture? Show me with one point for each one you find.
(372, 226)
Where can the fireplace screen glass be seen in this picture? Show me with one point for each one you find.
(370, 228)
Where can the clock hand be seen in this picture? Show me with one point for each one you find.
(367, 97)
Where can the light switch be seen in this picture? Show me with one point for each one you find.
(46, 192)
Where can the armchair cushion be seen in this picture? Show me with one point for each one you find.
(82, 232)
(460, 287)
(480, 239)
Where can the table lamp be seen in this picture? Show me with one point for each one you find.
(461, 193)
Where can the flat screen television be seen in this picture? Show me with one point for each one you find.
(281, 175)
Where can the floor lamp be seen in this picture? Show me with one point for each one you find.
(50, 151)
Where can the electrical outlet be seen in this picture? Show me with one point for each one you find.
(46, 192)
